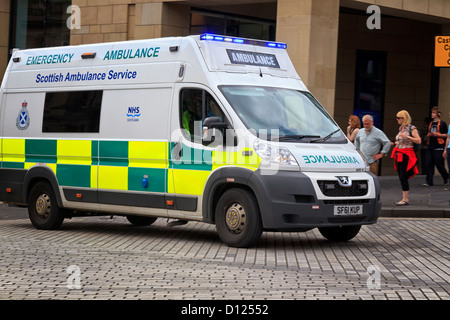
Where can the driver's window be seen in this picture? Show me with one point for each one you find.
(191, 112)
(195, 106)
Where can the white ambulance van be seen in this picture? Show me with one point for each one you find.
(205, 128)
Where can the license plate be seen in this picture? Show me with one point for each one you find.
(348, 210)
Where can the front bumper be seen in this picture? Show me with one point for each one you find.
(292, 201)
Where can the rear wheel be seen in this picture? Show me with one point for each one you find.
(141, 221)
(238, 220)
(43, 209)
(339, 234)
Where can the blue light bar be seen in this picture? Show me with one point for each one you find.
(261, 43)
(278, 45)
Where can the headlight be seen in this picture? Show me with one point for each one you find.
(365, 160)
(275, 157)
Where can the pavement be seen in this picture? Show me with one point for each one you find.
(104, 258)
(424, 202)
(99, 258)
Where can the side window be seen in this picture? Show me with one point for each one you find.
(74, 111)
(191, 111)
(195, 106)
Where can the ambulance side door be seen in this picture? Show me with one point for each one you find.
(133, 148)
(191, 160)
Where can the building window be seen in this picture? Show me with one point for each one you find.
(231, 25)
(39, 23)
(74, 111)
(370, 84)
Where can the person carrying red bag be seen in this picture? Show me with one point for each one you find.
(405, 160)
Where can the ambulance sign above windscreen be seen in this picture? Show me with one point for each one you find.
(253, 58)
(241, 55)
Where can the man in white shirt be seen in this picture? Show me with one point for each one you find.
(372, 142)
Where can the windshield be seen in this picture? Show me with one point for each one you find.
(296, 115)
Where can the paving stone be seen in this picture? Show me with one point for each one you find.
(120, 261)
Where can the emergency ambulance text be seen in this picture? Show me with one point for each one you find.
(50, 59)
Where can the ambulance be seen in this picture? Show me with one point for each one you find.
(205, 128)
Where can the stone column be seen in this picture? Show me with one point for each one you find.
(444, 84)
(158, 19)
(310, 28)
(4, 36)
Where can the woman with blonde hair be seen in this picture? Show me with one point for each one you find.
(405, 160)
(353, 127)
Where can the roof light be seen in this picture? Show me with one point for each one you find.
(278, 45)
(262, 43)
(88, 55)
(206, 37)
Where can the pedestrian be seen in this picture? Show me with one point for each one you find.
(424, 146)
(372, 142)
(353, 127)
(446, 153)
(405, 160)
(437, 134)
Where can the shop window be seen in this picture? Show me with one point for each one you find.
(39, 23)
(231, 25)
(370, 84)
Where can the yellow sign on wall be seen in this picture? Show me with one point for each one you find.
(442, 51)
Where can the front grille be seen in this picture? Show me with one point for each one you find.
(332, 188)
(347, 201)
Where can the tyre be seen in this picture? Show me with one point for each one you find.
(141, 221)
(238, 220)
(339, 234)
(43, 209)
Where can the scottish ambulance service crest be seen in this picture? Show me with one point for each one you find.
(23, 118)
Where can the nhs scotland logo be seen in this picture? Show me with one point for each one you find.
(133, 114)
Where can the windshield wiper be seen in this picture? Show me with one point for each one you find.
(326, 137)
(293, 137)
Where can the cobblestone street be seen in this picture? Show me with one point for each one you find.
(111, 259)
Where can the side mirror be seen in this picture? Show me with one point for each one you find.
(215, 130)
(213, 122)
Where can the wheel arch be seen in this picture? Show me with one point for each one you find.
(219, 182)
(41, 173)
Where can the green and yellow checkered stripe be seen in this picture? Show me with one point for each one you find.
(121, 165)
(192, 171)
(118, 165)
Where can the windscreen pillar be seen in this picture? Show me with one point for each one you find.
(310, 29)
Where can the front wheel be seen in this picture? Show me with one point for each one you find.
(43, 209)
(238, 220)
(340, 234)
